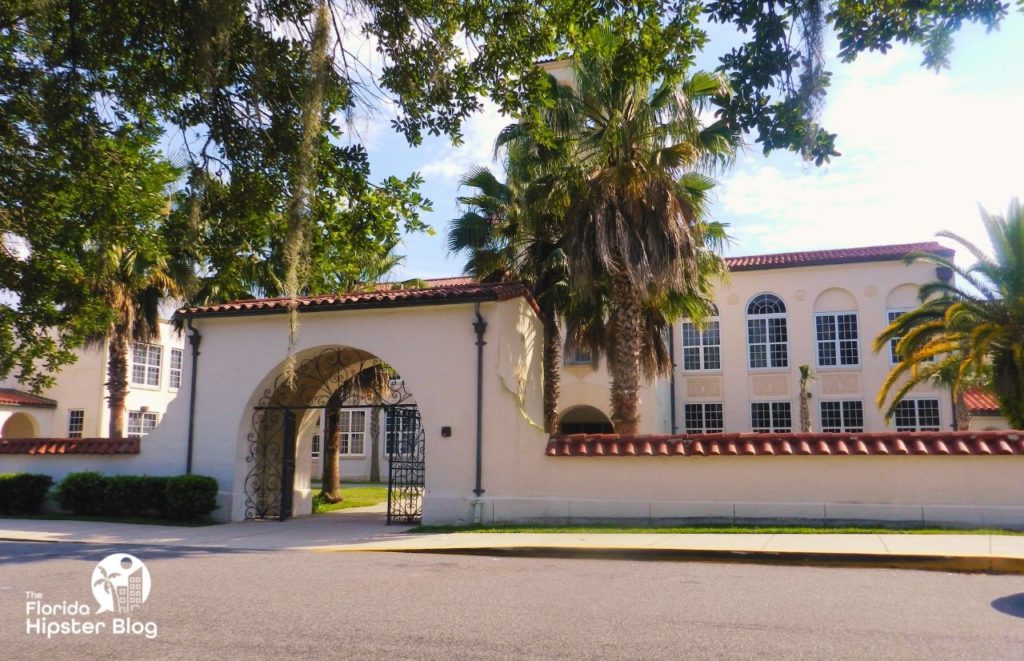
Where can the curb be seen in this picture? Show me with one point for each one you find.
(958, 564)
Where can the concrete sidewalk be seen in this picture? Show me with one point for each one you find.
(364, 531)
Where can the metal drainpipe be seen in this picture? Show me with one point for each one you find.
(480, 326)
(194, 339)
(672, 378)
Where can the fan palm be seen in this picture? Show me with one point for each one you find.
(505, 237)
(965, 329)
(133, 283)
(637, 184)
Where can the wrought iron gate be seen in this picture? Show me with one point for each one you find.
(321, 382)
(406, 454)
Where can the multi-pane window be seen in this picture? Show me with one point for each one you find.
(702, 348)
(767, 334)
(400, 429)
(703, 418)
(917, 415)
(145, 364)
(141, 423)
(842, 416)
(771, 417)
(352, 431)
(315, 445)
(76, 423)
(174, 369)
(836, 335)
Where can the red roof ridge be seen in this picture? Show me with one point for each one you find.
(888, 252)
(889, 443)
(981, 402)
(14, 397)
(452, 291)
(130, 445)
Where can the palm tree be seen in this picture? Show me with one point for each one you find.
(806, 376)
(963, 331)
(506, 237)
(637, 185)
(133, 283)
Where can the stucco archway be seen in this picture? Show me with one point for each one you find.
(327, 377)
(20, 425)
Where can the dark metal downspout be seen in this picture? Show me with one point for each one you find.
(672, 378)
(480, 326)
(194, 339)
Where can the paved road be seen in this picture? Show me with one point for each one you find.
(235, 604)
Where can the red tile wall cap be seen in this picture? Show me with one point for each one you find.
(47, 446)
(840, 256)
(445, 290)
(980, 402)
(978, 443)
(12, 397)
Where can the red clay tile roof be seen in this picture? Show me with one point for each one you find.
(711, 445)
(69, 446)
(450, 290)
(981, 403)
(842, 256)
(12, 397)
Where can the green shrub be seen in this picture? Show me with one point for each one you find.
(83, 493)
(188, 497)
(23, 493)
(123, 496)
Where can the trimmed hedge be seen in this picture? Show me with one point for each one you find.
(185, 497)
(23, 493)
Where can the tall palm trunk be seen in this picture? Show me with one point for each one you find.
(117, 381)
(963, 412)
(330, 482)
(375, 413)
(805, 399)
(625, 360)
(552, 370)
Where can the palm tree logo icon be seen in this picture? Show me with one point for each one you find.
(120, 583)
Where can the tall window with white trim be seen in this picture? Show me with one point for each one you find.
(174, 369)
(141, 423)
(767, 332)
(891, 316)
(837, 342)
(352, 431)
(917, 415)
(76, 423)
(771, 417)
(842, 416)
(702, 347)
(145, 360)
(703, 418)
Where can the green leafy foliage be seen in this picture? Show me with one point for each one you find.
(184, 497)
(189, 497)
(23, 493)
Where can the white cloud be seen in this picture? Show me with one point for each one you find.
(450, 163)
(920, 152)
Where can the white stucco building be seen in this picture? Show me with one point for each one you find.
(76, 406)
(460, 417)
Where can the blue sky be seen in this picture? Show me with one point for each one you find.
(920, 152)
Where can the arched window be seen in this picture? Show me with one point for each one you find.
(767, 335)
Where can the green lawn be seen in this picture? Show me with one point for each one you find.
(719, 529)
(360, 495)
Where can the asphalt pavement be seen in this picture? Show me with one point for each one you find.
(210, 603)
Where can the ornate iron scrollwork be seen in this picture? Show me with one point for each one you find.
(406, 464)
(353, 378)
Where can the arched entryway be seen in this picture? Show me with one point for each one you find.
(584, 420)
(344, 380)
(20, 425)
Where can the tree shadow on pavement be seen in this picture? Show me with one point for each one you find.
(15, 553)
(1010, 605)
